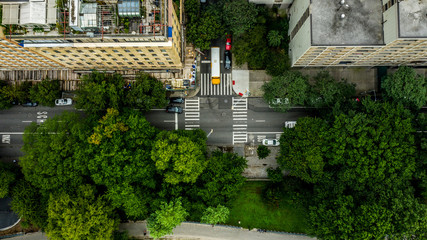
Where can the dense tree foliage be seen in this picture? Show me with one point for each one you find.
(291, 88)
(263, 151)
(405, 86)
(361, 164)
(240, 16)
(146, 93)
(251, 47)
(45, 92)
(326, 91)
(17, 93)
(99, 91)
(80, 216)
(178, 158)
(222, 178)
(118, 157)
(49, 160)
(29, 204)
(165, 219)
(215, 215)
(7, 178)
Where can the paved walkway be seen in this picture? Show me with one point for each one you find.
(190, 231)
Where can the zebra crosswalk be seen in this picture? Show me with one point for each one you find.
(240, 120)
(192, 113)
(208, 89)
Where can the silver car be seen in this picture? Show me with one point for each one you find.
(63, 102)
(270, 142)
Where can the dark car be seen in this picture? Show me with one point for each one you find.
(29, 104)
(176, 100)
(227, 59)
(174, 109)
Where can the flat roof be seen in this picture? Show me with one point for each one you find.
(361, 23)
(413, 18)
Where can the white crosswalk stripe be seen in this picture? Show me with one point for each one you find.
(240, 118)
(192, 113)
(224, 88)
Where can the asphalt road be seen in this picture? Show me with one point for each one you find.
(214, 115)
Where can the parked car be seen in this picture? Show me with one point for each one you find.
(176, 100)
(227, 59)
(174, 109)
(228, 44)
(29, 104)
(270, 142)
(63, 102)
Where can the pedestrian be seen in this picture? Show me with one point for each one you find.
(239, 222)
(145, 232)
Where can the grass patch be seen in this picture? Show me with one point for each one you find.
(252, 212)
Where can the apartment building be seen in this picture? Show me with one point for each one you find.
(358, 33)
(102, 35)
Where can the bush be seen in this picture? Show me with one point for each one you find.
(263, 151)
(275, 175)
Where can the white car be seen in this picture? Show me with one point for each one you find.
(270, 142)
(63, 102)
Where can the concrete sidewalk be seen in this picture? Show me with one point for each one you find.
(190, 231)
(207, 232)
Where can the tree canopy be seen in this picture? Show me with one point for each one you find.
(361, 164)
(215, 215)
(165, 219)
(292, 88)
(46, 92)
(80, 216)
(405, 86)
(240, 16)
(178, 158)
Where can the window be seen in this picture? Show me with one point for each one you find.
(162, 50)
(150, 63)
(166, 55)
(157, 59)
(80, 51)
(154, 55)
(140, 63)
(131, 55)
(136, 59)
(91, 51)
(138, 50)
(120, 55)
(150, 50)
(143, 55)
(115, 50)
(161, 63)
(126, 50)
(146, 59)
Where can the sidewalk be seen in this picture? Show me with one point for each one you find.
(207, 232)
(192, 231)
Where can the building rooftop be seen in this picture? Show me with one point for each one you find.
(413, 18)
(355, 22)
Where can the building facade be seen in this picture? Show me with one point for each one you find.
(92, 35)
(358, 33)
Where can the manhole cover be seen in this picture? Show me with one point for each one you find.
(225, 100)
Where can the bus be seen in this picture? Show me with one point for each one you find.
(215, 67)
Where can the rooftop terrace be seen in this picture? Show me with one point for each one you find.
(413, 18)
(356, 22)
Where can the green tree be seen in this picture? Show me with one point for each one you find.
(18, 92)
(99, 91)
(240, 16)
(49, 161)
(326, 92)
(263, 151)
(178, 158)
(222, 179)
(118, 157)
(29, 204)
(165, 219)
(45, 92)
(274, 38)
(278, 63)
(203, 30)
(405, 86)
(216, 215)
(362, 164)
(147, 92)
(291, 88)
(80, 216)
(7, 178)
(275, 175)
(251, 47)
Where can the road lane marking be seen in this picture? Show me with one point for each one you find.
(192, 119)
(27, 121)
(259, 120)
(176, 121)
(158, 109)
(5, 139)
(169, 121)
(12, 133)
